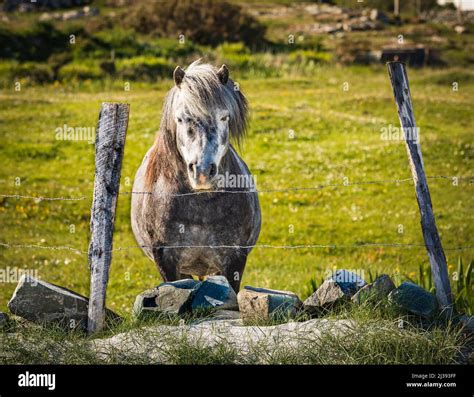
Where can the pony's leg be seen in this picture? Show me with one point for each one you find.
(167, 264)
(233, 269)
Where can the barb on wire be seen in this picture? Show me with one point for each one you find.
(45, 247)
(256, 246)
(40, 198)
(251, 191)
(294, 189)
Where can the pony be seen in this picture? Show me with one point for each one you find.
(195, 211)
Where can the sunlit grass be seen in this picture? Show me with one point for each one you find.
(335, 138)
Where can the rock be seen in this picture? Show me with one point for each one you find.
(3, 320)
(265, 304)
(170, 297)
(225, 315)
(460, 29)
(342, 284)
(348, 281)
(231, 317)
(467, 323)
(327, 293)
(380, 288)
(414, 299)
(377, 15)
(45, 303)
(215, 292)
(157, 342)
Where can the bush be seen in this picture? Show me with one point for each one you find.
(307, 56)
(100, 45)
(204, 22)
(80, 71)
(144, 68)
(36, 43)
(32, 72)
(167, 47)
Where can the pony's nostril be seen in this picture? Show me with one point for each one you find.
(213, 170)
(192, 168)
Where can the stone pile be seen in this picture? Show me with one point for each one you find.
(44, 303)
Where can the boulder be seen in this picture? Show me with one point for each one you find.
(380, 288)
(467, 323)
(348, 281)
(266, 304)
(45, 303)
(3, 320)
(342, 284)
(169, 297)
(215, 293)
(327, 293)
(414, 299)
(157, 343)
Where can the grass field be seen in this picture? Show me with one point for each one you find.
(336, 138)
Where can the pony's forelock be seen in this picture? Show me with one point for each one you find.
(200, 93)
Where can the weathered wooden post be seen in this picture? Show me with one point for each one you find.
(401, 91)
(109, 148)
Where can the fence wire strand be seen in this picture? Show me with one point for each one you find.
(252, 191)
(256, 246)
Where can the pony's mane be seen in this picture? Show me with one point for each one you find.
(200, 92)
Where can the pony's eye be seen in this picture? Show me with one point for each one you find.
(180, 120)
(225, 118)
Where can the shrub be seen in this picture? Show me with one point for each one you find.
(167, 47)
(307, 56)
(204, 22)
(32, 72)
(144, 68)
(80, 71)
(36, 43)
(100, 45)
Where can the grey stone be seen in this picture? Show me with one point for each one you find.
(348, 281)
(169, 297)
(380, 288)
(377, 15)
(229, 316)
(327, 293)
(266, 304)
(342, 284)
(3, 320)
(214, 293)
(155, 342)
(414, 299)
(45, 303)
(467, 323)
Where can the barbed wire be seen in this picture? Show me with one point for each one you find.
(252, 191)
(256, 246)
(40, 198)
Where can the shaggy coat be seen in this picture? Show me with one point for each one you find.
(189, 232)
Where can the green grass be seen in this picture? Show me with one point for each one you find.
(378, 334)
(336, 136)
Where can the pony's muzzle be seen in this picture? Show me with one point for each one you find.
(202, 175)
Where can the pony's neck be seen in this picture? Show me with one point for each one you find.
(165, 161)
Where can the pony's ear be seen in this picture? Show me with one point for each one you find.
(178, 75)
(223, 74)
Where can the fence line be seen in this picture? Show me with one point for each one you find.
(257, 246)
(258, 191)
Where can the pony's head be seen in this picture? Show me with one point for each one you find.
(201, 114)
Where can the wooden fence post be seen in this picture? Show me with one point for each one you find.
(439, 269)
(109, 148)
